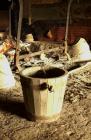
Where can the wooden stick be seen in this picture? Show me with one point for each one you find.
(39, 52)
(19, 32)
(81, 61)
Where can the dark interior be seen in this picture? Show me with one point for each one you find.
(49, 16)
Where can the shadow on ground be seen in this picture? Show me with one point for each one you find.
(12, 105)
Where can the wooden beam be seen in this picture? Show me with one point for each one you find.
(19, 33)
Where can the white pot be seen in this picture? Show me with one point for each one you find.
(6, 77)
(80, 50)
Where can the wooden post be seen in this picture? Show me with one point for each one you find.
(66, 32)
(10, 22)
(29, 12)
(19, 33)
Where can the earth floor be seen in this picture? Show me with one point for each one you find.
(75, 118)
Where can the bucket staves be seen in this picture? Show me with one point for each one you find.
(43, 96)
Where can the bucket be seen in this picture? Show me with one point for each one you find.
(43, 92)
(80, 50)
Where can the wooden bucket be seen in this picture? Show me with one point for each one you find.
(43, 92)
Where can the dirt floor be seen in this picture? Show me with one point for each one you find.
(75, 117)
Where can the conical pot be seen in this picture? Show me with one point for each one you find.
(80, 50)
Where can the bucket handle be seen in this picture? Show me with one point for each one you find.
(45, 86)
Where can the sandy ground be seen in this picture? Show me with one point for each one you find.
(75, 117)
